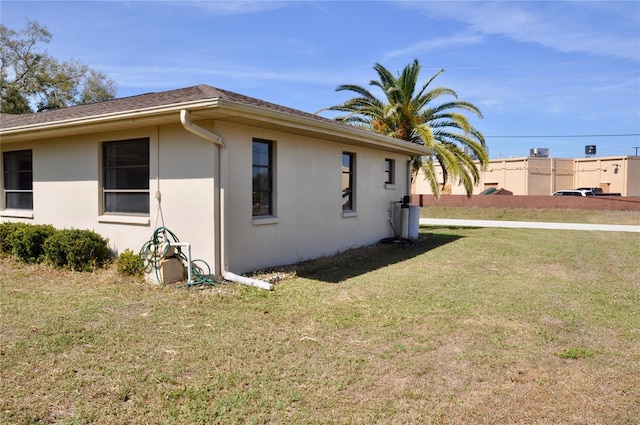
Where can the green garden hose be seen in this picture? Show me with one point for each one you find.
(159, 248)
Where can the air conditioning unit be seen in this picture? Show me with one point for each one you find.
(472, 154)
(541, 152)
(405, 219)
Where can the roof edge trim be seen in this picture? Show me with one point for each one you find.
(327, 126)
(113, 116)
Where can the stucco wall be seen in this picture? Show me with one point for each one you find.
(66, 187)
(632, 179)
(563, 178)
(496, 175)
(308, 220)
(620, 175)
(543, 176)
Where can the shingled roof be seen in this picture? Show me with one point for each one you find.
(143, 101)
(155, 108)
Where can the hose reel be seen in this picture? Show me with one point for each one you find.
(164, 261)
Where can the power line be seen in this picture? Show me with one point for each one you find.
(562, 136)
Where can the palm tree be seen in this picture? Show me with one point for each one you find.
(411, 116)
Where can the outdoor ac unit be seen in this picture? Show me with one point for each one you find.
(405, 220)
(469, 152)
(542, 152)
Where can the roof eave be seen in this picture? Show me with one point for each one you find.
(103, 122)
(333, 130)
(233, 111)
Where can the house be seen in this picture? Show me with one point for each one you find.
(544, 175)
(247, 183)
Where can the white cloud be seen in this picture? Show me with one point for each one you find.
(153, 77)
(231, 7)
(606, 29)
(436, 44)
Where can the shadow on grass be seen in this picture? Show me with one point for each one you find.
(358, 261)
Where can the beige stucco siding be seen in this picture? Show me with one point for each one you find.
(611, 174)
(632, 179)
(308, 219)
(563, 175)
(67, 187)
(539, 176)
(187, 177)
(543, 176)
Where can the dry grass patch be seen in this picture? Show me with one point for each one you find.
(487, 326)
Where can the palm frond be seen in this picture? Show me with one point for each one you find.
(411, 116)
(429, 172)
(426, 85)
(457, 104)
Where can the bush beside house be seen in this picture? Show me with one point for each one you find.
(78, 250)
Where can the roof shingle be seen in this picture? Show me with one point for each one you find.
(148, 100)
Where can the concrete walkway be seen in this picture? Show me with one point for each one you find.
(529, 225)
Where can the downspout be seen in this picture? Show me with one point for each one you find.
(223, 173)
(409, 177)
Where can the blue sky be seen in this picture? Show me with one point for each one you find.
(555, 70)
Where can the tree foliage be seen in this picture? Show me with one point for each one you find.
(409, 113)
(32, 80)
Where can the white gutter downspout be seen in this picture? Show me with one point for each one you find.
(222, 175)
(409, 176)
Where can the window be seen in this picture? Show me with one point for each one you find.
(262, 191)
(348, 170)
(125, 166)
(18, 180)
(389, 171)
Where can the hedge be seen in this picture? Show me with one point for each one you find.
(80, 250)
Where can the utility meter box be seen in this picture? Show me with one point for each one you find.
(169, 270)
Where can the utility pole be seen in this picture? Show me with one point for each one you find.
(636, 148)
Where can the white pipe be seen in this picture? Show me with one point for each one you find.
(409, 177)
(185, 119)
(224, 161)
(248, 281)
(188, 246)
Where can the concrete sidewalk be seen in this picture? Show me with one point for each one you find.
(528, 225)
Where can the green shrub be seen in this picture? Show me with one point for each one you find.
(27, 241)
(6, 231)
(79, 250)
(129, 263)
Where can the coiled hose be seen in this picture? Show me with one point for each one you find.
(159, 247)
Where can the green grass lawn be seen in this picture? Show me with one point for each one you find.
(539, 214)
(488, 326)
